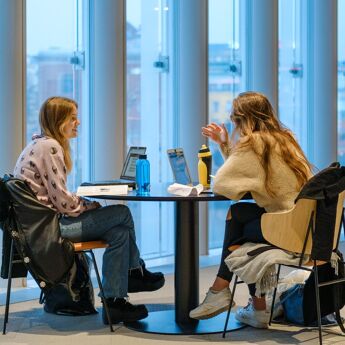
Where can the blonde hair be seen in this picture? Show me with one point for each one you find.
(53, 116)
(252, 115)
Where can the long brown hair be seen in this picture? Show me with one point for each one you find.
(252, 115)
(54, 114)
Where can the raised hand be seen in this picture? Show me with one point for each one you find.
(217, 133)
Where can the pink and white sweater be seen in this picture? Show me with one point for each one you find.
(41, 165)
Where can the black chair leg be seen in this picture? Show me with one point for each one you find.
(8, 293)
(274, 296)
(339, 321)
(230, 306)
(41, 299)
(317, 297)
(105, 305)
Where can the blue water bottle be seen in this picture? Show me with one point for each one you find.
(142, 175)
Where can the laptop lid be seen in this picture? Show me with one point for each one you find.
(128, 169)
(179, 166)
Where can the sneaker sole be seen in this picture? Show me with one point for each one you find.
(250, 322)
(213, 314)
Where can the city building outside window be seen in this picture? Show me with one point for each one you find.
(292, 108)
(149, 120)
(224, 74)
(55, 65)
(341, 81)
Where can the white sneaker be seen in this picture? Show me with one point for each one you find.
(253, 317)
(213, 304)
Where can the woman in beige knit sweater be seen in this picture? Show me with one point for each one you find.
(263, 158)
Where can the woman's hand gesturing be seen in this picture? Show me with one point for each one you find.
(218, 133)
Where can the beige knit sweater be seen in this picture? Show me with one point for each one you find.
(242, 173)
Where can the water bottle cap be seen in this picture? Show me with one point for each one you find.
(142, 156)
(204, 148)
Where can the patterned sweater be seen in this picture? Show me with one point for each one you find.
(42, 166)
(242, 172)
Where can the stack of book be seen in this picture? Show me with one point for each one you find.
(102, 188)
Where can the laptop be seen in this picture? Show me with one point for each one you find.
(128, 170)
(179, 166)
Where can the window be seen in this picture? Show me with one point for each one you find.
(292, 76)
(224, 84)
(341, 86)
(55, 64)
(215, 107)
(149, 121)
(341, 81)
(228, 106)
(66, 84)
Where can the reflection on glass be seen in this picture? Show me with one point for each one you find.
(149, 120)
(341, 81)
(51, 41)
(291, 70)
(225, 70)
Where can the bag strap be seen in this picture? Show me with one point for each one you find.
(261, 250)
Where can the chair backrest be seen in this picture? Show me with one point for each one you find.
(287, 230)
(35, 230)
(4, 201)
(340, 206)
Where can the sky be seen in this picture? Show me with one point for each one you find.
(52, 23)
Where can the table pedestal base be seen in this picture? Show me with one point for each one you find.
(163, 322)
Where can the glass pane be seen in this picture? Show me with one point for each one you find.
(341, 81)
(149, 121)
(224, 84)
(51, 42)
(291, 70)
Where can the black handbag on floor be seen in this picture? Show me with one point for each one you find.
(332, 297)
(77, 300)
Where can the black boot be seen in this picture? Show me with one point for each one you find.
(121, 310)
(140, 279)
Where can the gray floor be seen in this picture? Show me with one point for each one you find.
(29, 324)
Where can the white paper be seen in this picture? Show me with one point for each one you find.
(184, 190)
(102, 190)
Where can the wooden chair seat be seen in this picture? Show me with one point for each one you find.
(318, 263)
(80, 246)
(234, 247)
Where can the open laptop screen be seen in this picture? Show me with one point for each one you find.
(179, 166)
(128, 170)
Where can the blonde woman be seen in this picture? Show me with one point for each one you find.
(44, 165)
(263, 158)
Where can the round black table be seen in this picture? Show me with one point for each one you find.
(186, 267)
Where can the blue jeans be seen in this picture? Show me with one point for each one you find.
(113, 224)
